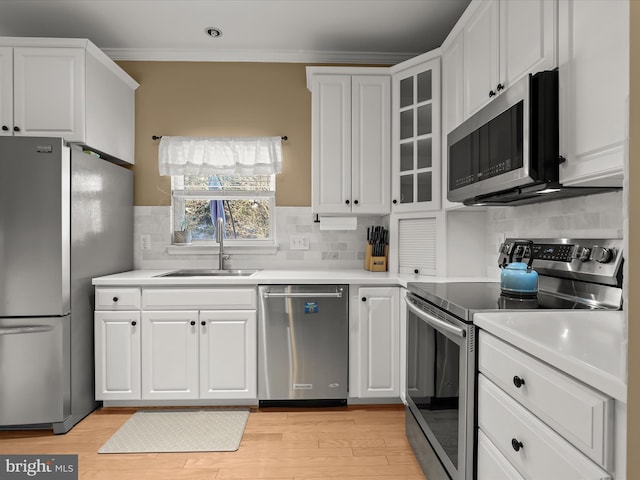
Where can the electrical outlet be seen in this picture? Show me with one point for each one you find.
(299, 242)
(145, 242)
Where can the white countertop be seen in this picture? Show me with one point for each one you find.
(589, 345)
(355, 276)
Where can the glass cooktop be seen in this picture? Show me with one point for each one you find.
(462, 299)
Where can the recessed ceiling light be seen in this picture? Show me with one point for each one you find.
(213, 32)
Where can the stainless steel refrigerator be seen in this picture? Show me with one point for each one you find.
(65, 217)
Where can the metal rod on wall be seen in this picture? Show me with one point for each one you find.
(158, 137)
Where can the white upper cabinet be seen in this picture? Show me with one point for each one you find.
(452, 103)
(416, 136)
(66, 88)
(351, 153)
(594, 91)
(481, 57)
(503, 41)
(6, 91)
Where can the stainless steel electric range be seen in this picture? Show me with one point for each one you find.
(441, 338)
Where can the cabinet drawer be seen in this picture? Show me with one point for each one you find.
(580, 414)
(117, 298)
(541, 452)
(198, 298)
(492, 465)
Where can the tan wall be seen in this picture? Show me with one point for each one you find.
(222, 99)
(633, 418)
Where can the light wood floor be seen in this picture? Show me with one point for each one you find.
(351, 443)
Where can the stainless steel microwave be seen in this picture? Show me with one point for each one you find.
(509, 149)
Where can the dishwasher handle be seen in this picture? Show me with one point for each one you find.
(303, 295)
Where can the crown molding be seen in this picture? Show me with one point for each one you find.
(184, 55)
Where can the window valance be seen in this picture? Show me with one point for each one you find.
(220, 155)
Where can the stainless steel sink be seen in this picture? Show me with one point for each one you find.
(205, 272)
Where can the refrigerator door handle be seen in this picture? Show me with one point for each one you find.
(303, 295)
(25, 329)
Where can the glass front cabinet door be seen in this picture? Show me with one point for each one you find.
(416, 137)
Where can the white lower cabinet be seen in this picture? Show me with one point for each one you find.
(374, 342)
(117, 355)
(167, 351)
(537, 420)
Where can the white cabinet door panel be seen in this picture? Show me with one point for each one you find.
(228, 354)
(481, 56)
(594, 91)
(170, 355)
(117, 355)
(331, 143)
(49, 92)
(371, 151)
(377, 343)
(6, 91)
(527, 38)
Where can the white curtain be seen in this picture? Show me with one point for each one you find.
(220, 156)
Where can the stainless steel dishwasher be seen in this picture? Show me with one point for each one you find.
(303, 345)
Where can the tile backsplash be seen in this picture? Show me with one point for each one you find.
(592, 216)
(331, 249)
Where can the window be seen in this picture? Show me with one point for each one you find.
(246, 205)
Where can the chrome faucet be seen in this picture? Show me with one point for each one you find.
(220, 239)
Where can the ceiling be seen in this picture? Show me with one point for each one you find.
(320, 31)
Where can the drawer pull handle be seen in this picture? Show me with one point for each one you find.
(516, 444)
(518, 382)
(115, 299)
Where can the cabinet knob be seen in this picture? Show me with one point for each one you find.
(115, 299)
(492, 93)
(518, 382)
(346, 202)
(516, 444)
(500, 87)
(364, 299)
(5, 128)
(355, 202)
(16, 129)
(416, 271)
(134, 323)
(203, 323)
(192, 322)
(395, 201)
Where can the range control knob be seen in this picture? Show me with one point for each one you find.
(601, 254)
(582, 253)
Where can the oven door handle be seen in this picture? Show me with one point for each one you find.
(434, 321)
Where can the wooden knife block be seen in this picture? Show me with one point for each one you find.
(375, 264)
